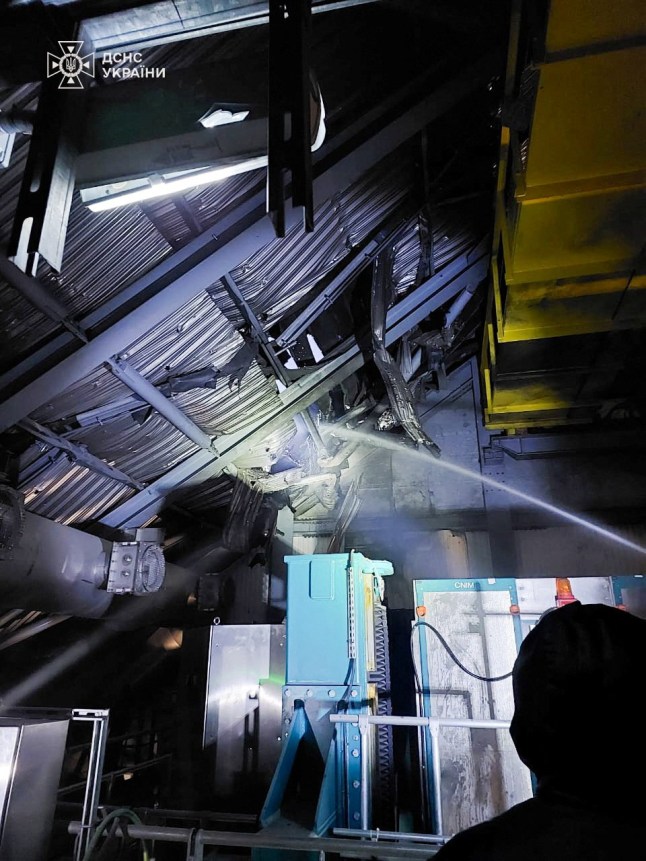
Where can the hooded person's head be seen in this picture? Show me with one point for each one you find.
(578, 691)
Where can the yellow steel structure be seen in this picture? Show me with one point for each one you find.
(569, 247)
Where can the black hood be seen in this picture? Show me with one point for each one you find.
(578, 691)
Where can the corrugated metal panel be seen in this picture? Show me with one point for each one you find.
(104, 252)
(22, 326)
(454, 232)
(280, 274)
(70, 493)
(142, 451)
(196, 336)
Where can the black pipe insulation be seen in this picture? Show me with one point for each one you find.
(58, 569)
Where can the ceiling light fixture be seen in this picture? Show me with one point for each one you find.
(100, 198)
(105, 197)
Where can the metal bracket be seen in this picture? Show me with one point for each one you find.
(289, 96)
(99, 718)
(137, 567)
(123, 563)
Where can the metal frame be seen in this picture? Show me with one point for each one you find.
(99, 719)
(197, 839)
(587, 443)
(365, 721)
(450, 280)
(142, 387)
(188, 272)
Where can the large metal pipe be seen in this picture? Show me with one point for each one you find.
(59, 569)
(56, 569)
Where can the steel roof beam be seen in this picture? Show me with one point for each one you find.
(151, 395)
(35, 292)
(279, 371)
(176, 281)
(78, 453)
(432, 294)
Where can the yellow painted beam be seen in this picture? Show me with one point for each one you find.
(576, 23)
(556, 309)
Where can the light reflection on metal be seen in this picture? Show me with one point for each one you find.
(409, 311)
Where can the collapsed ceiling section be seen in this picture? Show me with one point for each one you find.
(180, 364)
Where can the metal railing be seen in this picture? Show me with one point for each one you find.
(434, 724)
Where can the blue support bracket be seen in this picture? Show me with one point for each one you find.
(330, 638)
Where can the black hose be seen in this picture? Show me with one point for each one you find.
(453, 657)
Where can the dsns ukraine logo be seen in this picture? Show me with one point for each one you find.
(70, 65)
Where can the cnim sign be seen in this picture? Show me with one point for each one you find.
(71, 65)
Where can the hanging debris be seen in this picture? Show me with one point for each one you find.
(400, 397)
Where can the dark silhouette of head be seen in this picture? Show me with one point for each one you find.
(578, 687)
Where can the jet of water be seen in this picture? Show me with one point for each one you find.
(421, 454)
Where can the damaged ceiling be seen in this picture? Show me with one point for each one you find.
(405, 178)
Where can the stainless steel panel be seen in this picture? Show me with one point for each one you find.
(8, 745)
(482, 775)
(31, 791)
(537, 595)
(242, 725)
(481, 772)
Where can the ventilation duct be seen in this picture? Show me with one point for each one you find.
(57, 569)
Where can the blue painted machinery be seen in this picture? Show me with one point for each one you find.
(337, 661)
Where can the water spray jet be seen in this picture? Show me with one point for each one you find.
(427, 457)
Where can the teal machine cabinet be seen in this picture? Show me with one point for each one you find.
(337, 654)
